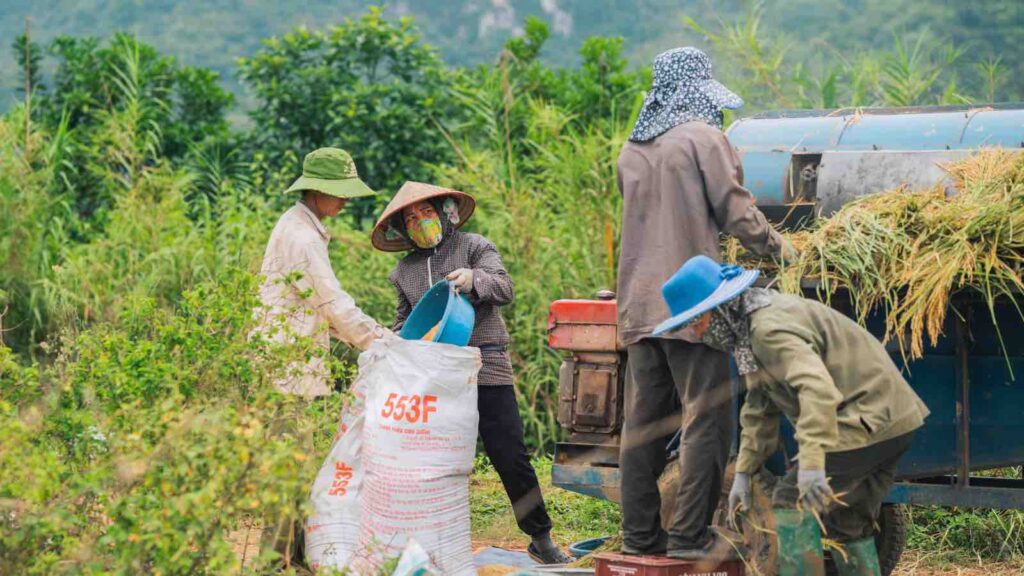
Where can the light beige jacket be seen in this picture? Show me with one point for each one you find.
(311, 301)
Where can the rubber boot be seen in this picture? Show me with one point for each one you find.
(861, 559)
(800, 552)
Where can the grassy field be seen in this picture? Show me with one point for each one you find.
(575, 517)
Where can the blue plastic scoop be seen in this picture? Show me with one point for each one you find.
(444, 307)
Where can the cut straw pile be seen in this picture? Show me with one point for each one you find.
(904, 252)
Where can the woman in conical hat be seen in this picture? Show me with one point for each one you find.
(424, 220)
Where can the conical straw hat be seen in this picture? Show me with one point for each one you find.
(389, 240)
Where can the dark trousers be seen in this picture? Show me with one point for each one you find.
(865, 476)
(501, 430)
(658, 370)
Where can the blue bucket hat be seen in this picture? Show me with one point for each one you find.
(683, 90)
(699, 286)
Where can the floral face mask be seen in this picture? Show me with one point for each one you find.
(423, 225)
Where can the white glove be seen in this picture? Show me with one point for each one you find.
(387, 335)
(462, 280)
(815, 493)
(739, 497)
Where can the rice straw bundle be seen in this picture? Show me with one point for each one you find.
(904, 252)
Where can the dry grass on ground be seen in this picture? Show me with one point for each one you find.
(578, 517)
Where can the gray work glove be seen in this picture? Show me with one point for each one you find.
(739, 497)
(462, 280)
(815, 493)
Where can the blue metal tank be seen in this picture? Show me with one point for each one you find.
(767, 142)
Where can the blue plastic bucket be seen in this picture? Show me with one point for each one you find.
(444, 307)
(584, 547)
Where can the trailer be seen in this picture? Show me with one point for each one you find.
(801, 166)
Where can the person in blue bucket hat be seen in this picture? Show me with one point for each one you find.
(682, 188)
(853, 412)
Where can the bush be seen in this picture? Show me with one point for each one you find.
(151, 438)
(35, 224)
(368, 85)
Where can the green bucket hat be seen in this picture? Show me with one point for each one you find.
(333, 172)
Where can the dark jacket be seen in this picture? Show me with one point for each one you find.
(492, 288)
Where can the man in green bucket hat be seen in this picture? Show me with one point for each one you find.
(301, 291)
(331, 172)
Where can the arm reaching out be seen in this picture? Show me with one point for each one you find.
(491, 283)
(346, 321)
(733, 205)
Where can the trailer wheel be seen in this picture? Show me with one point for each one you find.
(761, 547)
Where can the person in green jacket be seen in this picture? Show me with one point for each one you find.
(853, 411)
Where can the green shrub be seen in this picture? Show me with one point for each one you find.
(997, 534)
(151, 437)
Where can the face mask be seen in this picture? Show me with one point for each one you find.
(427, 233)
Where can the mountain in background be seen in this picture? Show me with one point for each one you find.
(214, 33)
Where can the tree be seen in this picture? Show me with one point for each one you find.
(368, 85)
(29, 57)
(118, 95)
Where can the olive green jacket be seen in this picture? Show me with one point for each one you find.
(830, 377)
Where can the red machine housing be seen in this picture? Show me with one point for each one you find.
(589, 399)
(583, 325)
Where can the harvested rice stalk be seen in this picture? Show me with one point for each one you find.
(835, 547)
(904, 252)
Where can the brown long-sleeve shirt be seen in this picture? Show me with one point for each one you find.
(492, 288)
(680, 191)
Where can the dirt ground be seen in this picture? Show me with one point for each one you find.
(920, 563)
(913, 562)
(246, 542)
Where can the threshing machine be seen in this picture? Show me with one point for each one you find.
(804, 165)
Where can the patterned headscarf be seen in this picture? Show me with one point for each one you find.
(683, 90)
(729, 330)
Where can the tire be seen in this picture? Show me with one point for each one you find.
(890, 539)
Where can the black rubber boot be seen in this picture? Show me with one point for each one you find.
(658, 549)
(543, 550)
(716, 548)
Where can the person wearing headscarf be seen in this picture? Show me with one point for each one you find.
(302, 298)
(424, 220)
(682, 187)
(853, 412)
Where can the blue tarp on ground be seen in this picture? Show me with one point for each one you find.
(494, 555)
